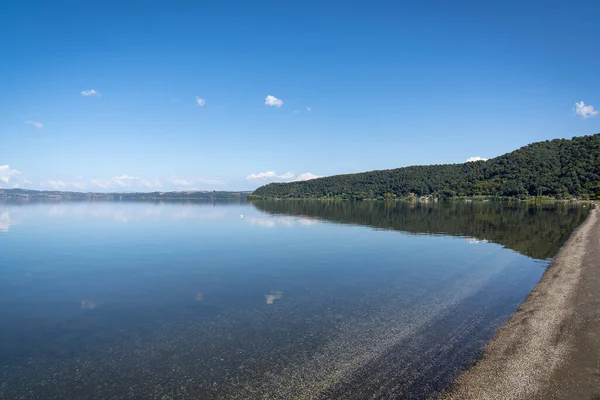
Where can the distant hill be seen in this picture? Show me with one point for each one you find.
(24, 194)
(559, 168)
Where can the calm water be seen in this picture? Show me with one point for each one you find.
(275, 300)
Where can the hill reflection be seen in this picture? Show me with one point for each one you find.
(537, 231)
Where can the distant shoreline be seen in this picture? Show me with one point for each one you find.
(550, 347)
(26, 194)
(54, 195)
(426, 199)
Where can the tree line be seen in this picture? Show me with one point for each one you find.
(561, 168)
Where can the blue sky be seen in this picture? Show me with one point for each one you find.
(132, 95)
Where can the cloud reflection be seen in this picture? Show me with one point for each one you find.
(265, 222)
(270, 298)
(129, 212)
(88, 304)
(5, 221)
(137, 212)
(289, 222)
(472, 240)
(307, 221)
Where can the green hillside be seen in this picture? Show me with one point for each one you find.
(558, 168)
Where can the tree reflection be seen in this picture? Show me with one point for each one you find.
(537, 231)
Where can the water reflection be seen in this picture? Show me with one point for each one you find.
(265, 222)
(471, 240)
(537, 231)
(119, 211)
(126, 212)
(88, 304)
(272, 222)
(270, 298)
(190, 305)
(141, 211)
(5, 221)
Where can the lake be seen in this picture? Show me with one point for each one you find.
(269, 300)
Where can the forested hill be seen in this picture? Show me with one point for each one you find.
(559, 168)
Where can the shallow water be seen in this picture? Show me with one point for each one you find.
(272, 300)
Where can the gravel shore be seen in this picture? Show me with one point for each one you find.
(550, 348)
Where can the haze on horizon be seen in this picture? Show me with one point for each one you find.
(232, 95)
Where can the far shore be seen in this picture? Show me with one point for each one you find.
(430, 199)
(550, 347)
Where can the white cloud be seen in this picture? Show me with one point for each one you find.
(151, 183)
(262, 175)
(27, 182)
(89, 93)
(200, 101)
(287, 175)
(55, 184)
(182, 181)
(273, 101)
(585, 111)
(77, 185)
(6, 173)
(58, 184)
(307, 176)
(211, 181)
(104, 184)
(308, 109)
(124, 180)
(38, 125)
(188, 182)
(476, 158)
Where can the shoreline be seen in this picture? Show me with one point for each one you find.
(550, 347)
(429, 199)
